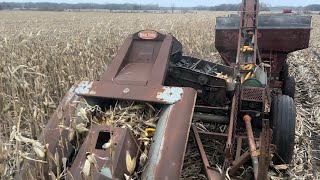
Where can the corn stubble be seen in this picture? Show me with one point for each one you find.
(43, 53)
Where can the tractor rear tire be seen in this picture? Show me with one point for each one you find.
(289, 87)
(283, 118)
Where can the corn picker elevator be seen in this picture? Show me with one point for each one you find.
(252, 93)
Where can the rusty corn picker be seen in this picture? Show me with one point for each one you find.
(252, 93)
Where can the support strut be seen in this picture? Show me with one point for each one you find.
(252, 145)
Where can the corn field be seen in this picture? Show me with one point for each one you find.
(42, 54)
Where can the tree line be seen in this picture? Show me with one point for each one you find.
(45, 6)
(62, 6)
(229, 7)
(312, 7)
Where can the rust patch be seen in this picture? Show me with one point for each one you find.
(170, 94)
(84, 87)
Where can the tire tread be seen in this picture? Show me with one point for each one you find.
(283, 118)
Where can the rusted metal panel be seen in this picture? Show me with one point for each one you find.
(267, 21)
(111, 162)
(117, 61)
(158, 94)
(269, 40)
(141, 61)
(160, 67)
(157, 145)
(170, 141)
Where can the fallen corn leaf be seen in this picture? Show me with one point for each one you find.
(281, 167)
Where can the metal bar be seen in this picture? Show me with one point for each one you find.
(208, 134)
(200, 146)
(265, 156)
(231, 127)
(236, 164)
(252, 146)
(226, 164)
(239, 146)
(212, 175)
(212, 107)
(211, 118)
(232, 124)
(231, 131)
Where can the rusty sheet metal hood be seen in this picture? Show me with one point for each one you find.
(268, 21)
(277, 32)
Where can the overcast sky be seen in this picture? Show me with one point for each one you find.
(184, 3)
